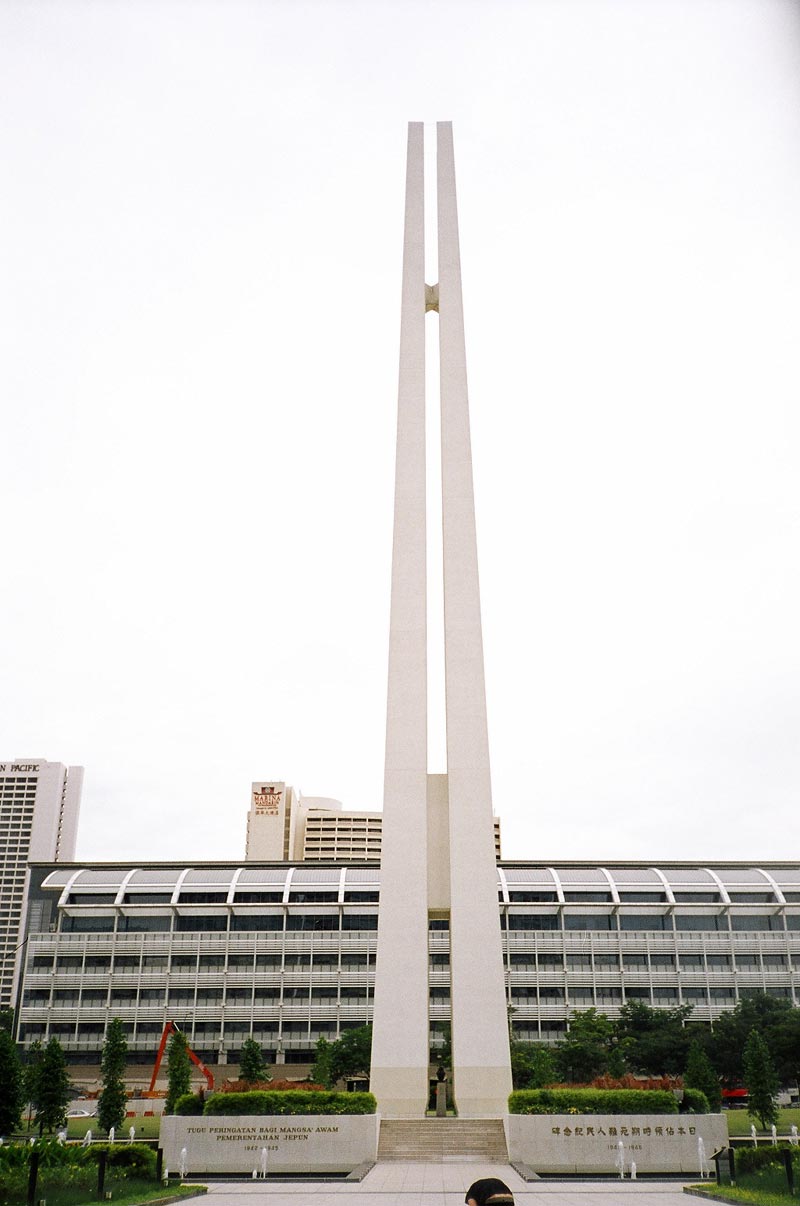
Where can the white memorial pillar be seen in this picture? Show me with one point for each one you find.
(481, 1058)
(399, 1073)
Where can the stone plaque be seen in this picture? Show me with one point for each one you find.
(596, 1143)
(323, 1143)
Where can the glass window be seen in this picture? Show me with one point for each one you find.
(589, 921)
(642, 897)
(533, 921)
(644, 921)
(144, 925)
(203, 897)
(762, 922)
(362, 921)
(254, 923)
(200, 924)
(516, 896)
(588, 897)
(312, 921)
(86, 925)
(709, 923)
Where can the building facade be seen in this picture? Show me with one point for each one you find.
(39, 805)
(287, 953)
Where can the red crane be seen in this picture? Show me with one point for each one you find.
(169, 1029)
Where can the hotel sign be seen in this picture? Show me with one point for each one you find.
(266, 799)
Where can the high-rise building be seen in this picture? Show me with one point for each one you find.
(39, 803)
(438, 845)
(284, 824)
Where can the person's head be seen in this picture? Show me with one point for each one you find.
(497, 1199)
(489, 1191)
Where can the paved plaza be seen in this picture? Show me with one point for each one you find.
(445, 1185)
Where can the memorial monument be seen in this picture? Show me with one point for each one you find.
(438, 858)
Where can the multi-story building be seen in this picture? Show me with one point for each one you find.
(286, 953)
(282, 824)
(39, 804)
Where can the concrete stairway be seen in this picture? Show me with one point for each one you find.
(437, 1140)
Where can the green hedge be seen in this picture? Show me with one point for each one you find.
(137, 1158)
(189, 1103)
(750, 1159)
(292, 1101)
(592, 1101)
(695, 1102)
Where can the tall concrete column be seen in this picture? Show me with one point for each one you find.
(438, 834)
(399, 1074)
(481, 1061)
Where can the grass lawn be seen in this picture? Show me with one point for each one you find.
(125, 1192)
(146, 1128)
(764, 1188)
(739, 1122)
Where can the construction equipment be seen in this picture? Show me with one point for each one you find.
(169, 1029)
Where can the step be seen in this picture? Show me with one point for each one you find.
(433, 1140)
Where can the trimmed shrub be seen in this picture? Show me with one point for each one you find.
(293, 1101)
(592, 1101)
(695, 1102)
(189, 1103)
(138, 1159)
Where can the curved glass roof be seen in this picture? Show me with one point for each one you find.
(682, 878)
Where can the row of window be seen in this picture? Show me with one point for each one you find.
(658, 922)
(150, 998)
(93, 964)
(186, 896)
(210, 923)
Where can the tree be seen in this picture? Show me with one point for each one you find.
(54, 1089)
(700, 1074)
(777, 1022)
(350, 1055)
(12, 1092)
(655, 1041)
(113, 1098)
(179, 1070)
(251, 1063)
(32, 1077)
(321, 1069)
(7, 1019)
(584, 1053)
(532, 1065)
(761, 1080)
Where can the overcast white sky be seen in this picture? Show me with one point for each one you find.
(201, 225)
